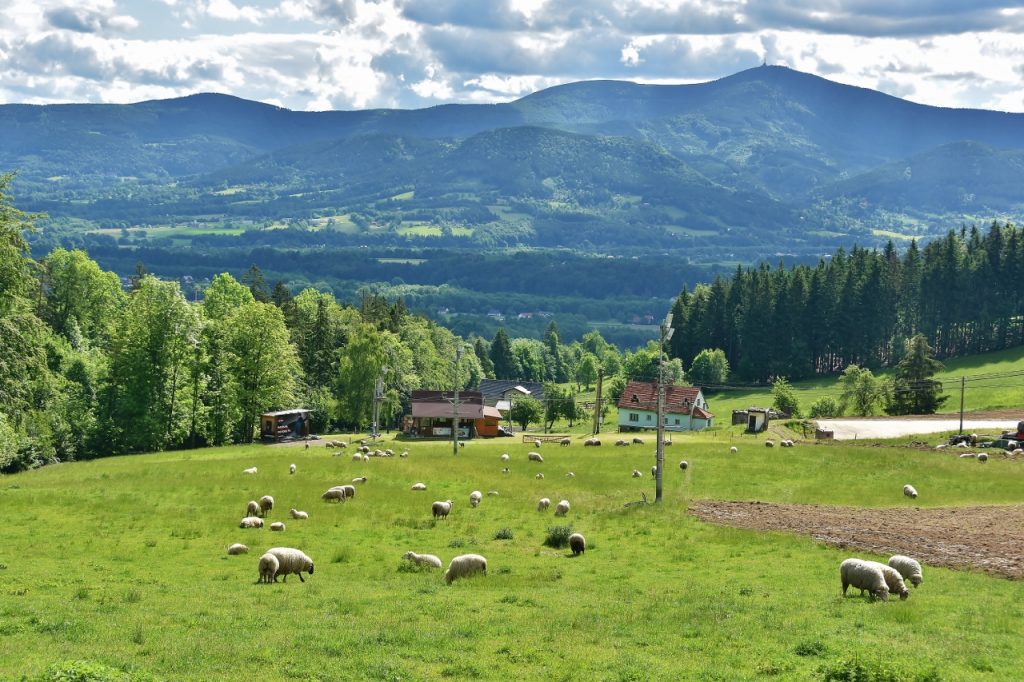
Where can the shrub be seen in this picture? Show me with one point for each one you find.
(503, 534)
(89, 671)
(824, 407)
(558, 536)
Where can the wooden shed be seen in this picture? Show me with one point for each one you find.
(284, 425)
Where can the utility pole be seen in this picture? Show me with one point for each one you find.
(455, 404)
(597, 402)
(666, 334)
(961, 405)
(378, 398)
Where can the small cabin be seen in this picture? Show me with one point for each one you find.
(755, 418)
(284, 425)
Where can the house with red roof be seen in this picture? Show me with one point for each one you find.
(685, 408)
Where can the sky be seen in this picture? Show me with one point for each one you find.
(358, 54)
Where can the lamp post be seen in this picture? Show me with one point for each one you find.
(666, 334)
(455, 403)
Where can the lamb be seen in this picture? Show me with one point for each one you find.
(427, 560)
(535, 457)
(277, 526)
(982, 457)
(360, 479)
(621, 443)
(683, 464)
(565, 442)
(734, 449)
(296, 514)
(578, 544)
(403, 454)
(291, 561)
(864, 577)
(908, 568)
(636, 473)
(893, 579)
(250, 470)
(266, 504)
(570, 474)
(592, 442)
(505, 470)
(253, 508)
(441, 509)
(251, 522)
(334, 494)
(464, 566)
(419, 486)
(366, 458)
(562, 508)
(269, 566)
(539, 476)
(492, 493)
(475, 497)
(637, 440)
(769, 444)
(357, 457)
(291, 469)
(504, 457)
(543, 504)
(910, 491)
(238, 548)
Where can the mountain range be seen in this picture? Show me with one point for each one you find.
(767, 156)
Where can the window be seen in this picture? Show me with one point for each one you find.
(677, 421)
(634, 417)
(648, 417)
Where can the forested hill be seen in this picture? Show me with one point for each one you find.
(765, 156)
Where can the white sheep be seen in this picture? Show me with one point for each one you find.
(428, 560)
(769, 444)
(909, 568)
(357, 457)
(570, 474)
(266, 504)
(291, 561)
(504, 457)
(441, 509)
(864, 577)
(296, 514)
(562, 508)
(277, 526)
(334, 494)
(360, 479)
(419, 486)
(893, 579)
(475, 497)
(654, 471)
(253, 508)
(536, 443)
(238, 548)
(910, 491)
(535, 457)
(622, 443)
(349, 490)
(578, 544)
(403, 454)
(592, 442)
(250, 470)
(543, 504)
(366, 458)
(251, 522)
(464, 566)
(505, 470)
(637, 473)
(565, 442)
(291, 468)
(637, 440)
(982, 457)
(734, 449)
(492, 493)
(683, 464)
(539, 476)
(968, 455)
(269, 566)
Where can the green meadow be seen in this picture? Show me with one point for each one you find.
(117, 567)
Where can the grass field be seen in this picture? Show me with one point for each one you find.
(121, 563)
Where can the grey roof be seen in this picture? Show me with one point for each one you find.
(494, 389)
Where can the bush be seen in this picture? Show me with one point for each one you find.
(89, 671)
(503, 534)
(824, 407)
(558, 536)
(857, 670)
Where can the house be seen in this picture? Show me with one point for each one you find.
(433, 413)
(284, 425)
(501, 393)
(685, 408)
(755, 418)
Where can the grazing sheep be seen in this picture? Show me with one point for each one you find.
(296, 514)
(539, 476)
(277, 526)
(339, 444)
(637, 440)
(734, 449)
(328, 444)
(683, 464)
(419, 486)
(269, 566)
(654, 471)
(475, 497)
(562, 508)
(570, 474)
(578, 544)
(334, 494)
(982, 457)
(893, 579)
(238, 548)
(366, 458)
(307, 446)
(251, 522)
(535, 457)
(537, 443)
(250, 470)
(462, 444)
(504, 457)
(769, 444)
(621, 443)
(543, 504)
(565, 442)
(636, 473)
(505, 470)
(968, 455)
(592, 442)
(364, 448)
(464, 566)
(942, 446)
(492, 493)
(403, 454)
(910, 491)
(785, 443)
(266, 504)
(291, 561)
(360, 479)
(908, 568)
(389, 452)
(863, 576)
(291, 469)
(428, 560)
(350, 490)
(357, 457)
(253, 508)
(441, 509)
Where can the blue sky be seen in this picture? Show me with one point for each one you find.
(354, 54)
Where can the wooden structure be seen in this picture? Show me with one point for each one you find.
(284, 425)
(685, 408)
(433, 413)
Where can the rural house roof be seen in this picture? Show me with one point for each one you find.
(644, 396)
(494, 390)
(439, 404)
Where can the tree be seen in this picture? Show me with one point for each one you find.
(825, 406)
(913, 391)
(482, 351)
(784, 397)
(224, 296)
(709, 368)
(80, 298)
(359, 365)
(253, 278)
(861, 391)
(586, 371)
(501, 356)
(526, 411)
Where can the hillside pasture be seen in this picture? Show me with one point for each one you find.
(122, 562)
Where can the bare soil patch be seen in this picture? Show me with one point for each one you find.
(989, 538)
